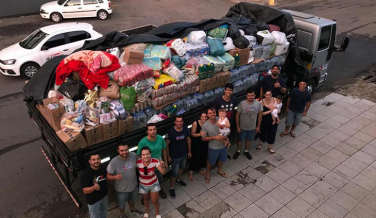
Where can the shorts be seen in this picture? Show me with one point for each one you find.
(126, 196)
(293, 118)
(144, 189)
(247, 134)
(178, 164)
(217, 154)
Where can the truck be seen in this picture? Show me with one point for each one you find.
(314, 39)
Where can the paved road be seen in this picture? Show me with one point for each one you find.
(30, 188)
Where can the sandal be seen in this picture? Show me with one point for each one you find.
(207, 180)
(258, 148)
(222, 174)
(271, 151)
(283, 134)
(292, 134)
(202, 172)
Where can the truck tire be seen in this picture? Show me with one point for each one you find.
(311, 85)
(102, 14)
(29, 69)
(56, 17)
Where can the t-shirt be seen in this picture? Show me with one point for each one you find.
(212, 130)
(156, 147)
(89, 177)
(268, 83)
(248, 114)
(150, 178)
(127, 169)
(178, 146)
(299, 100)
(229, 105)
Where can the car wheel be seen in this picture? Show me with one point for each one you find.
(102, 14)
(56, 17)
(311, 85)
(29, 69)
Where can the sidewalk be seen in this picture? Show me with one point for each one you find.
(327, 171)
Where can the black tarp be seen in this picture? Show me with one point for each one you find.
(242, 14)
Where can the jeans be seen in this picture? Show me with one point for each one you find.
(99, 209)
(178, 164)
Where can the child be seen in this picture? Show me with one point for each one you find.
(224, 125)
(278, 105)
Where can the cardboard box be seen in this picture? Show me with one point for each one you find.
(53, 115)
(204, 85)
(214, 82)
(73, 140)
(133, 56)
(225, 78)
(233, 52)
(244, 55)
(93, 134)
(126, 125)
(110, 130)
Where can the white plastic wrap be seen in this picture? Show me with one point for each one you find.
(196, 37)
(280, 38)
(267, 37)
(228, 44)
(252, 40)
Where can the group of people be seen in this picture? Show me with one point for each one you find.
(204, 146)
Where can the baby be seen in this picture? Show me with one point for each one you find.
(278, 105)
(224, 125)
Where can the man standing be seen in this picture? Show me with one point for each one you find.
(297, 106)
(248, 112)
(178, 142)
(217, 151)
(94, 186)
(228, 102)
(122, 170)
(274, 83)
(157, 145)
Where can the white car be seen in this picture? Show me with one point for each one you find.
(26, 57)
(63, 9)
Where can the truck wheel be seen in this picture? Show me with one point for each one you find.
(56, 17)
(29, 69)
(102, 14)
(311, 85)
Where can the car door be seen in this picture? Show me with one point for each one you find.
(77, 39)
(72, 9)
(90, 8)
(323, 55)
(55, 46)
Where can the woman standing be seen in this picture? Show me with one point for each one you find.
(268, 130)
(149, 185)
(199, 148)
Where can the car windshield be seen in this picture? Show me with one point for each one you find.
(61, 2)
(33, 39)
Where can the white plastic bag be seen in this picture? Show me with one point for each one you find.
(228, 44)
(280, 38)
(252, 40)
(281, 49)
(242, 32)
(265, 37)
(196, 37)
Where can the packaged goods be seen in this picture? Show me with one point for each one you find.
(72, 121)
(215, 46)
(280, 38)
(129, 74)
(73, 140)
(196, 37)
(228, 44)
(93, 134)
(128, 97)
(218, 64)
(241, 42)
(219, 32)
(133, 56)
(228, 60)
(264, 37)
(178, 46)
(112, 91)
(154, 62)
(281, 49)
(161, 51)
(244, 55)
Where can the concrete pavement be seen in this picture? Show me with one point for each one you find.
(328, 170)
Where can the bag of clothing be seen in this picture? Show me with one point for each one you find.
(196, 37)
(178, 46)
(161, 51)
(219, 32)
(215, 46)
(241, 42)
(72, 89)
(250, 30)
(261, 25)
(228, 44)
(264, 37)
(280, 38)
(128, 97)
(112, 91)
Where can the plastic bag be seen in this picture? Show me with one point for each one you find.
(91, 116)
(219, 32)
(68, 104)
(250, 30)
(144, 95)
(80, 106)
(128, 97)
(72, 121)
(242, 32)
(118, 110)
(241, 42)
(252, 40)
(233, 32)
(174, 72)
(261, 25)
(129, 74)
(106, 118)
(280, 38)
(215, 46)
(264, 37)
(196, 37)
(154, 62)
(161, 51)
(179, 62)
(228, 44)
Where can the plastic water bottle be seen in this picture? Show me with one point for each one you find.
(136, 122)
(142, 119)
(149, 112)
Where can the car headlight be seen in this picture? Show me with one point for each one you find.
(9, 62)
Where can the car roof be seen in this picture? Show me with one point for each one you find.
(65, 26)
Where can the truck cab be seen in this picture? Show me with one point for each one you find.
(316, 40)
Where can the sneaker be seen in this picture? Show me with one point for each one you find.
(162, 194)
(136, 213)
(236, 155)
(248, 155)
(181, 183)
(172, 193)
(228, 156)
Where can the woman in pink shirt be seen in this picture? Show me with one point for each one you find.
(149, 185)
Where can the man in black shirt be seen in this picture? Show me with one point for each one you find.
(297, 106)
(94, 186)
(228, 102)
(274, 83)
